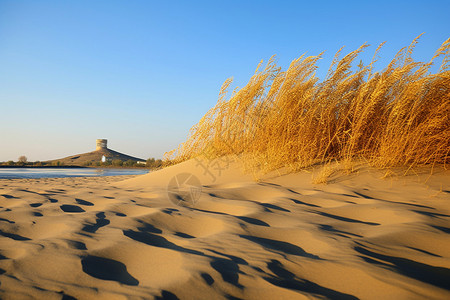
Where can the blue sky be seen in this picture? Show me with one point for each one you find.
(141, 73)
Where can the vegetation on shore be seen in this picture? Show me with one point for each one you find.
(399, 116)
(151, 163)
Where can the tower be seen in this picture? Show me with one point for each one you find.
(101, 144)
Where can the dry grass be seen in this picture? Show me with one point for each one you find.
(324, 173)
(396, 117)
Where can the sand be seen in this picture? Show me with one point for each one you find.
(221, 235)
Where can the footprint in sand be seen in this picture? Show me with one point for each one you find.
(228, 269)
(280, 246)
(76, 245)
(99, 222)
(270, 207)
(107, 269)
(84, 202)
(9, 196)
(66, 297)
(184, 235)
(253, 221)
(286, 279)
(71, 208)
(207, 278)
(13, 236)
(166, 295)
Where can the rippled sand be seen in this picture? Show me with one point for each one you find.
(281, 238)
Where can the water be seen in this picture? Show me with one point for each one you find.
(14, 173)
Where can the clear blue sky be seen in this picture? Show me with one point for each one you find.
(141, 73)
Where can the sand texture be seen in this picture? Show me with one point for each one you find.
(359, 236)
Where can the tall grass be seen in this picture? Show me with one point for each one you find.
(397, 116)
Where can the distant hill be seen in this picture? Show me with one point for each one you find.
(95, 156)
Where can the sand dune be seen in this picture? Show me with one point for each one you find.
(197, 231)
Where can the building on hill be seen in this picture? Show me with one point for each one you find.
(101, 154)
(101, 144)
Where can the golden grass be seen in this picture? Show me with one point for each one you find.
(396, 117)
(324, 173)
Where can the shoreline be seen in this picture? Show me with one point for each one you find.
(71, 167)
(41, 167)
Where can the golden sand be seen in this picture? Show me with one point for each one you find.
(284, 237)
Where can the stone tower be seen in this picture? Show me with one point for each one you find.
(101, 144)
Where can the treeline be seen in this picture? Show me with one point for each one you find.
(150, 163)
(21, 162)
(11, 163)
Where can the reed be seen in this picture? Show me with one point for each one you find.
(395, 117)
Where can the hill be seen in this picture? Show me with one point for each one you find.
(95, 156)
